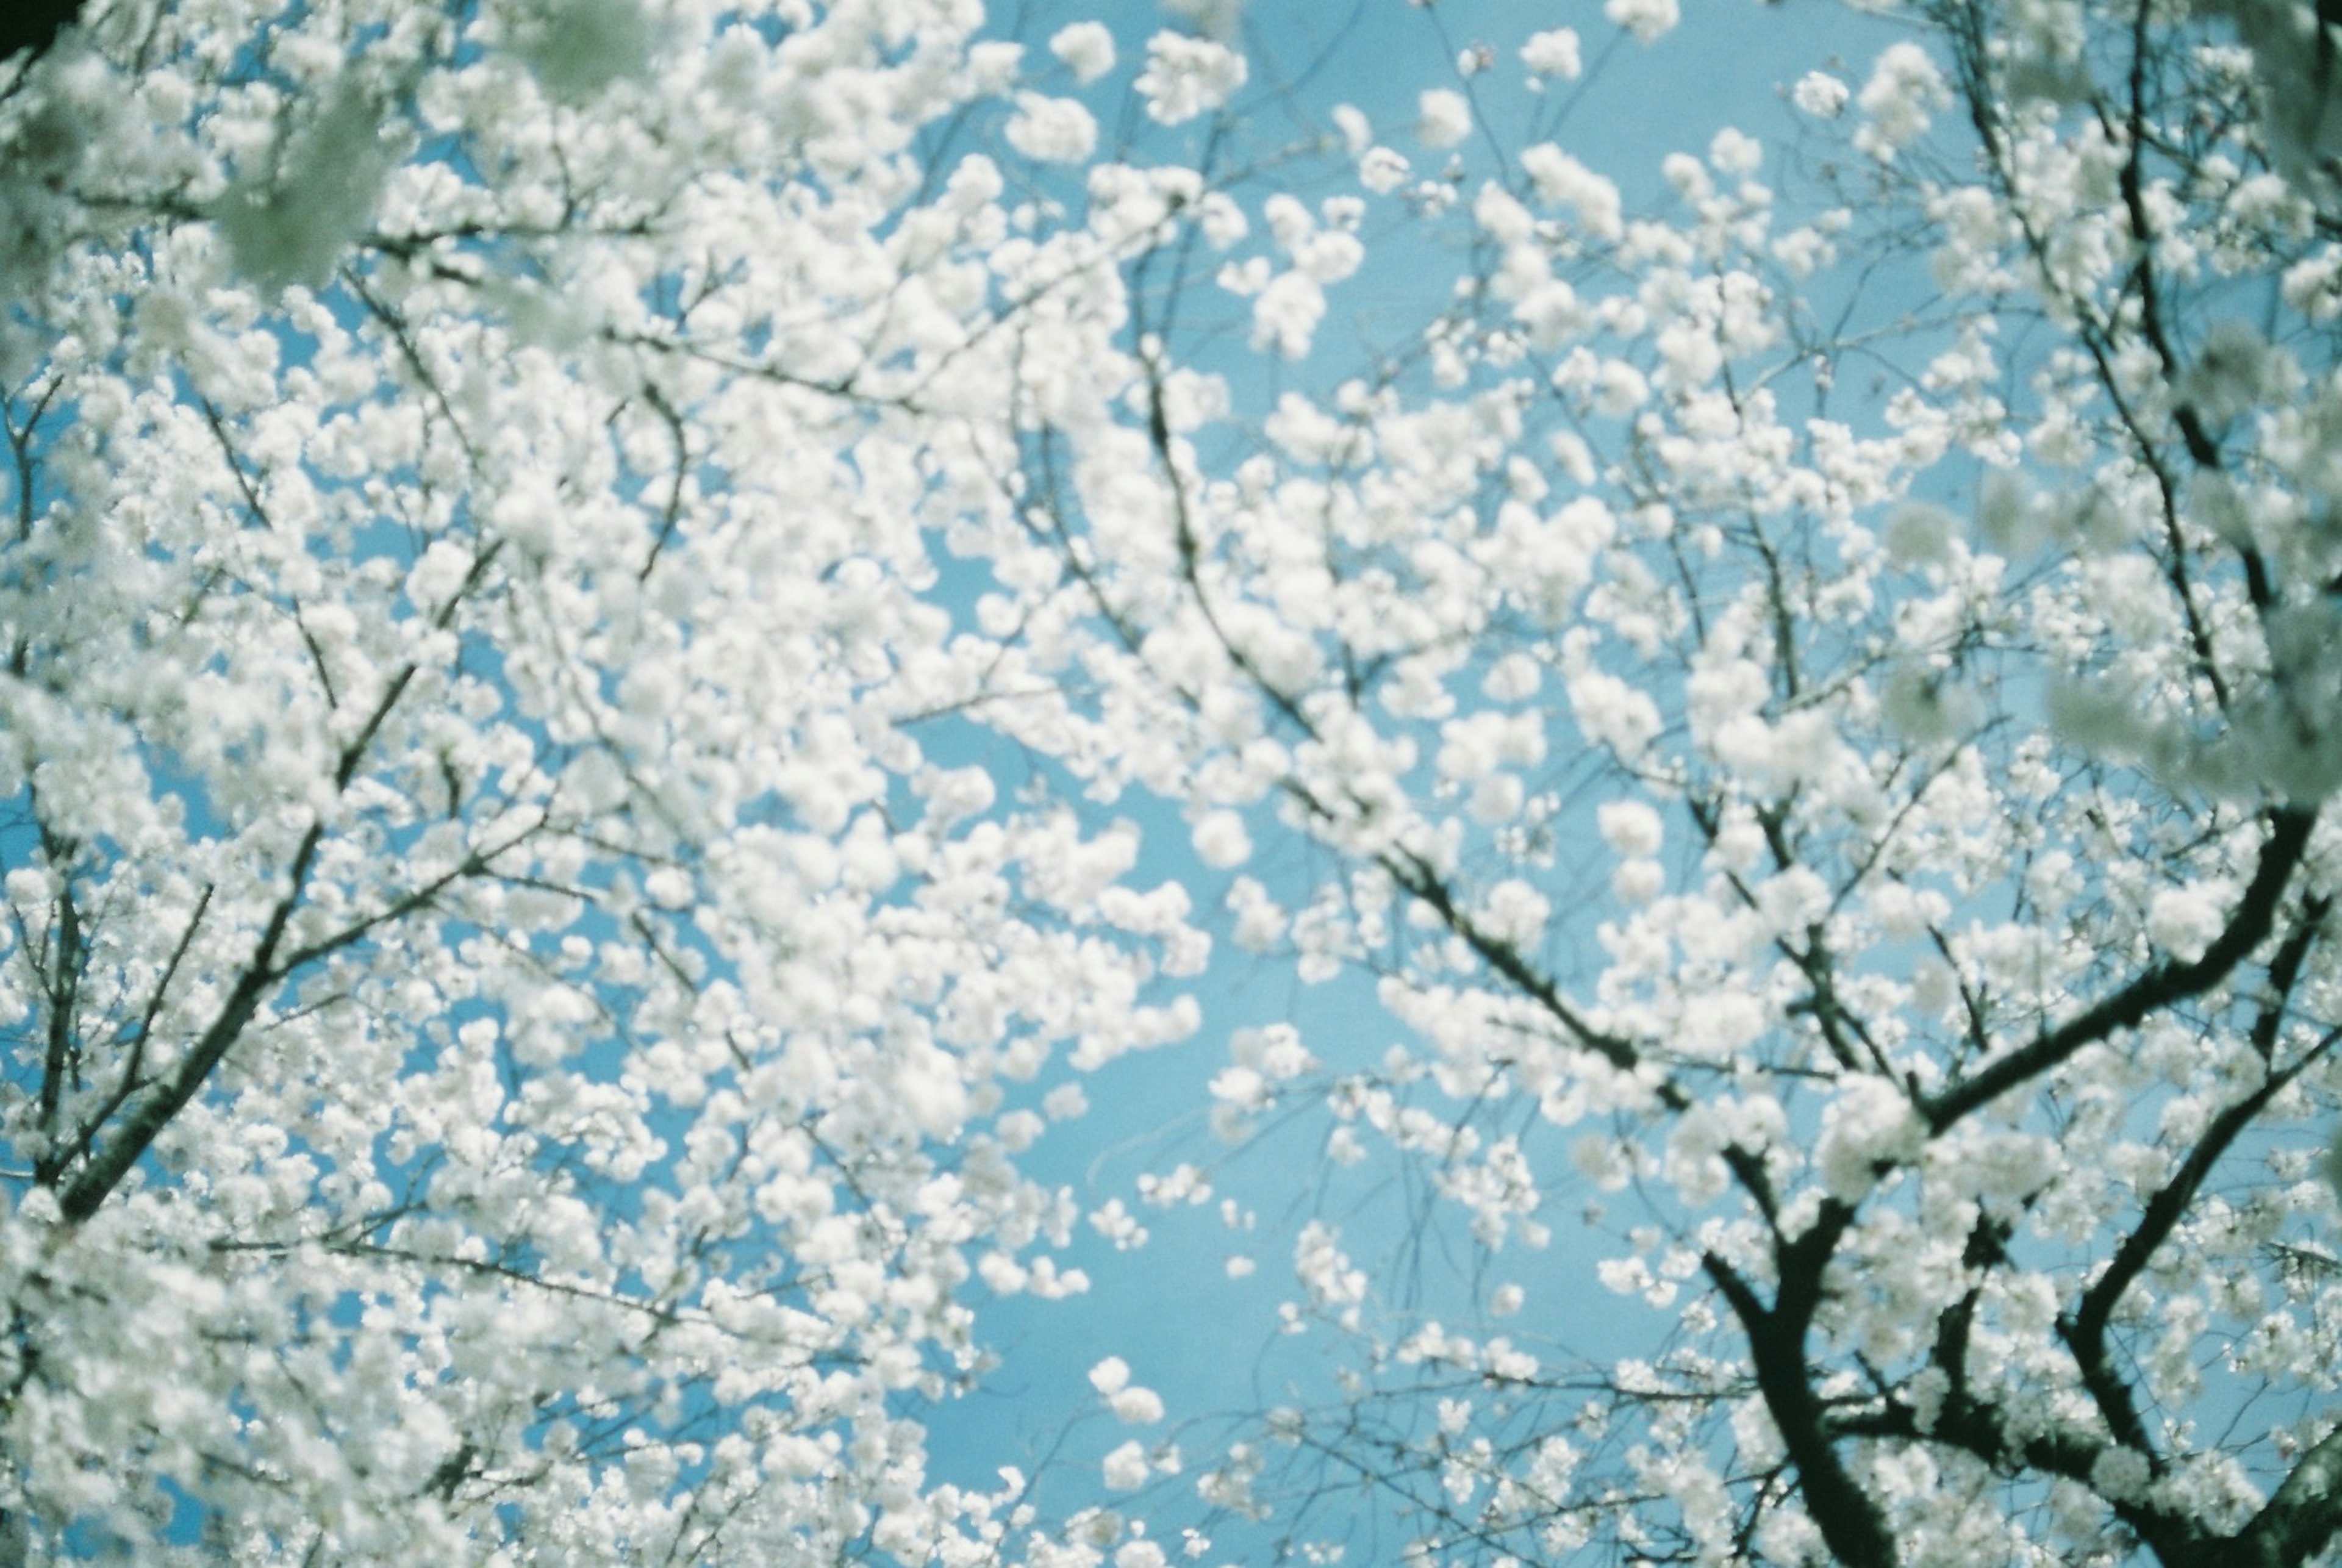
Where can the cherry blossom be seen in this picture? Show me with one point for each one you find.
(614, 611)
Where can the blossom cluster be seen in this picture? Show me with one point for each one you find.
(525, 1027)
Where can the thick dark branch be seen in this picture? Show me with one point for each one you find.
(2301, 1519)
(1844, 1513)
(1986, 1247)
(1979, 1429)
(2163, 985)
(2087, 1329)
(34, 25)
(2284, 970)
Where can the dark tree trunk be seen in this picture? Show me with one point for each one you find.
(32, 23)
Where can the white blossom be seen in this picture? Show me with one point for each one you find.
(1732, 152)
(1221, 841)
(1186, 76)
(1552, 52)
(1899, 101)
(1561, 180)
(1630, 827)
(1085, 47)
(1444, 117)
(1135, 1406)
(1051, 130)
(1647, 20)
(1821, 94)
(1382, 170)
(2185, 920)
(1126, 1468)
(646, 645)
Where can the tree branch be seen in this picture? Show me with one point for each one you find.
(2301, 1518)
(1839, 1507)
(2161, 986)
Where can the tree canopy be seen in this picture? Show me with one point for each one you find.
(643, 636)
